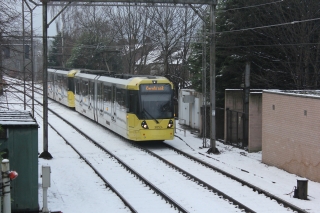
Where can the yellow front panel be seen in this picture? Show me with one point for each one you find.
(156, 131)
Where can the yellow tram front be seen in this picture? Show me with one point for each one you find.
(150, 112)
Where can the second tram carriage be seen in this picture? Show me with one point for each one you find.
(61, 86)
(139, 108)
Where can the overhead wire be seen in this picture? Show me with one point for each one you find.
(268, 26)
(252, 6)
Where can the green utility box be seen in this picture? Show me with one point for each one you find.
(19, 144)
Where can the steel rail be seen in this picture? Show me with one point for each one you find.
(138, 175)
(107, 184)
(167, 198)
(199, 181)
(255, 188)
(131, 170)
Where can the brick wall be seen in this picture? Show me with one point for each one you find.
(291, 133)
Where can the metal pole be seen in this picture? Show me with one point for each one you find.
(32, 64)
(32, 56)
(23, 59)
(1, 188)
(45, 154)
(1, 76)
(6, 187)
(204, 81)
(213, 148)
(246, 106)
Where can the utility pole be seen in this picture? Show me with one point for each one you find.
(45, 154)
(1, 68)
(213, 148)
(23, 60)
(246, 92)
(45, 25)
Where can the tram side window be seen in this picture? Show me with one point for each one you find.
(91, 86)
(133, 102)
(84, 88)
(107, 93)
(50, 77)
(65, 83)
(99, 93)
(76, 86)
(121, 98)
(60, 82)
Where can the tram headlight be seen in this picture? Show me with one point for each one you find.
(144, 125)
(170, 124)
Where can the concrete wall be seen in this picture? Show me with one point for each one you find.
(291, 133)
(189, 113)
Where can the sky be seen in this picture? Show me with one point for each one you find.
(37, 19)
(38, 22)
(76, 188)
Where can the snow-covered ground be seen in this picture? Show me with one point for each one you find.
(76, 188)
(71, 192)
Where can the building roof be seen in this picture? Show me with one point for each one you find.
(17, 118)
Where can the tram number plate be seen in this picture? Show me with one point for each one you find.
(158, 127)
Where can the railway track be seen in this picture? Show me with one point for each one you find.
(250, 195)
(207, 170)
(239, 180)
(229, 203)
(130, 179)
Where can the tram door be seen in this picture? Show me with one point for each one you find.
(55, 87)
(99, 108)
(90, 99)
(114, 104)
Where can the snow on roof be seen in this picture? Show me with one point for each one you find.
(16, 118)
(150, 58)
(130, 47)
(154, 56)
(298, 93)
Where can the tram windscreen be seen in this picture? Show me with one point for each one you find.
(156, 101)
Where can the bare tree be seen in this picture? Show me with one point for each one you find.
(9, 25)
(131, 24)
(172, 29)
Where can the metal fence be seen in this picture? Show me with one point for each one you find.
(235, 129)
(219, 122)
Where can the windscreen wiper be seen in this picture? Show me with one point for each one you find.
(145, 111)
(165, 107)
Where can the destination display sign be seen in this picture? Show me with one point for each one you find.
(155, 88)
